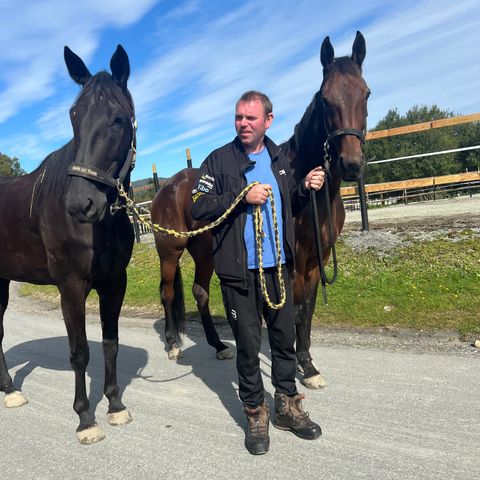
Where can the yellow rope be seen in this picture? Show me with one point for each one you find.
(259, 235)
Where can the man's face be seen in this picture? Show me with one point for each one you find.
(251, 124)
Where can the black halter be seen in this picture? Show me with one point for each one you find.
(99, 176)
(340, 132)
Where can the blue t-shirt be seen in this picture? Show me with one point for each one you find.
(261, 172)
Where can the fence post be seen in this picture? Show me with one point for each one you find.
(363, 204)
(155, 178)
(136, 228)
(189, 158)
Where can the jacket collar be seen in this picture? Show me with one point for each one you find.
(272, 147)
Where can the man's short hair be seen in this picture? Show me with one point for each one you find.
(254, 95)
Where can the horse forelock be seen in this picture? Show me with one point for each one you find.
(103, 84)
(344, 65)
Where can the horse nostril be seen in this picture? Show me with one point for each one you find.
(88, 206)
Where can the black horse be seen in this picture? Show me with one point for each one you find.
(330, 133)
(59, 226)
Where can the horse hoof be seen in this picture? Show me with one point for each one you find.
(119, 418)
(175, 353)
(225, 354)
(317, 381)
(14, 400)
(90, 435)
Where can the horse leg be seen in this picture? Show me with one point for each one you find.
(13, 398)
(111, 295)
(171, 296)
(201, 293)
(73, 293)
(305, 293)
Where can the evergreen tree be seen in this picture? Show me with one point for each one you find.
(10, 166)
(446, 138)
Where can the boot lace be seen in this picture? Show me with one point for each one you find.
(258, 421)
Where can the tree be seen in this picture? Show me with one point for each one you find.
(439, 139)
(10, 166)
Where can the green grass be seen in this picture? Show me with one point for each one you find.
(432, 285)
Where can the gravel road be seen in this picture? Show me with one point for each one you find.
(387, 413)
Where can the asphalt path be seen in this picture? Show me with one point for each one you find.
(385, 414)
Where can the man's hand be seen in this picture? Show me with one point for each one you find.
(315, 178)
(258, 194)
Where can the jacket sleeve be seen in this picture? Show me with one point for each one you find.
(209, 201)
(299, 194)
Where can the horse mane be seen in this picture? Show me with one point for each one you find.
(53, 169)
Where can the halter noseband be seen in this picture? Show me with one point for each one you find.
(340, 132)
(96, 175)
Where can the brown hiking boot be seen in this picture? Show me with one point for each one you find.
(289, 415)
(257, 440)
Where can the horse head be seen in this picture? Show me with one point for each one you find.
(103, 136)
(343, 96)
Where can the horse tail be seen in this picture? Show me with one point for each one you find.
(178, 304)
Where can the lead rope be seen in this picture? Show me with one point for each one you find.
(259, 235)
(318, 234)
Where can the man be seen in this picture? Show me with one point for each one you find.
(252, 156)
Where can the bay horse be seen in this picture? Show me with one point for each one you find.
(59, 228)
(332, 128)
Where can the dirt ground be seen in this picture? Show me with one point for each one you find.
(392, 226)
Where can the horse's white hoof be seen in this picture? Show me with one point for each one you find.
(226, 354)
(175, 353)
(316, 381)
(14, 400)
(90, 435)
(119, 418)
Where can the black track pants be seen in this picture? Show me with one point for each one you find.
(244, 309)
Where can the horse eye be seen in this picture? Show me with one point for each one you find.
(118, 121)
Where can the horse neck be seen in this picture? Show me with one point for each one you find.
(305, 147)
(309, 137)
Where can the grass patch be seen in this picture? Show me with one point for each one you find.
(429, 285)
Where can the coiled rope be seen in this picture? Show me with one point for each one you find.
(259, 235)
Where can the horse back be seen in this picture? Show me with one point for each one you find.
(172, 204)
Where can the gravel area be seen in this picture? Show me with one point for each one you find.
(393, 226)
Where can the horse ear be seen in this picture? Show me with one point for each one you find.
(326, 53)
(359, 49)
(76, 68)
(120, 66)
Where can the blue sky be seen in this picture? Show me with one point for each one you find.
(191, 59)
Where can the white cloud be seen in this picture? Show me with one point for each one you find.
(32, 34)
(186, 85)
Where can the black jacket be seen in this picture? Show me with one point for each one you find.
(221, 179)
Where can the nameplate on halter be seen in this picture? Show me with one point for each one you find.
(85, 170)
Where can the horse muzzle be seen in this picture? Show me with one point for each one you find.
(352, 167)
(85, 202)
